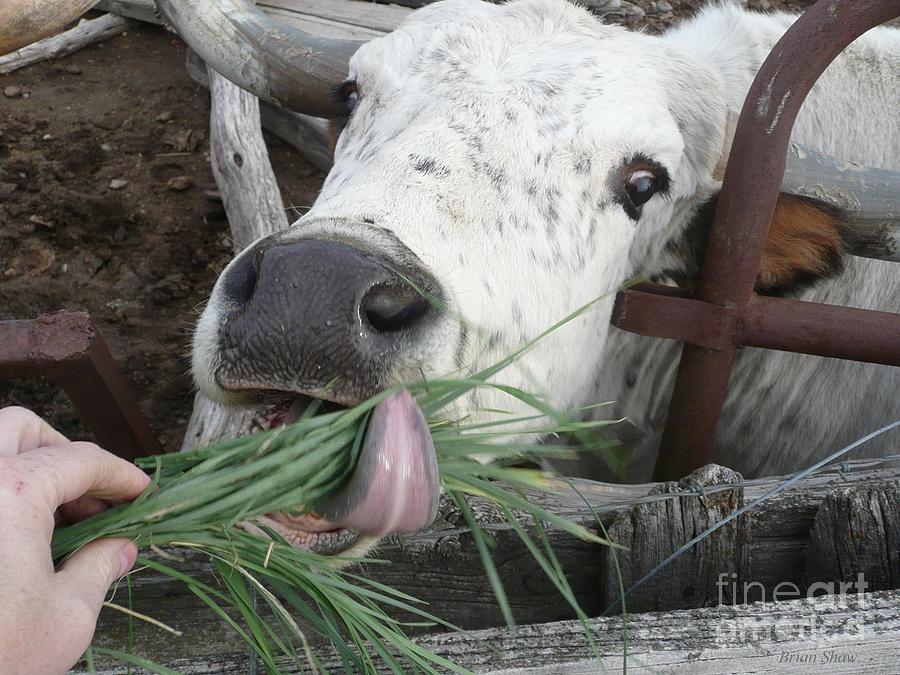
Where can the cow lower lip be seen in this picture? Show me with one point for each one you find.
(325, 542)
(287, 408)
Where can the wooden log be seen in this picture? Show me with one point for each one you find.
(868, 196)
(652, 531)
(851, 634)
(244, 175)
(23, 22)
(347, 19)
(86, 33)
(240, 164)
(306, 133)
(602, 7)
(857, 536)
(142, 10)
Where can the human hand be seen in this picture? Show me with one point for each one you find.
(47, 616)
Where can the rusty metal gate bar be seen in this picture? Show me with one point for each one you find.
(725, 314)
(66, 348)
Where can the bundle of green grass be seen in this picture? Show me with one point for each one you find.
(239, 501)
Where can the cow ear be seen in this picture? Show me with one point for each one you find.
(805, 242)
(805, 245)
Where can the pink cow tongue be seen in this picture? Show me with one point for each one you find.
(395, 486)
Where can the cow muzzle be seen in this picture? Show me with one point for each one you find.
(321, 318)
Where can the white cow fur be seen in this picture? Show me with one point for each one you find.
(522, 112)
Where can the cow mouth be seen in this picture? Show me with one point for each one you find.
(393, 489)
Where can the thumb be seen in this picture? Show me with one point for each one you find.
(90, 572)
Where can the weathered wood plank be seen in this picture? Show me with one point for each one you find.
(352, 19)
(754, 638)
(86, 33)
(653, 531)
(857, 532)
(850, 634)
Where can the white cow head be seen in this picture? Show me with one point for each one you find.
(500, 167)
(512, 163)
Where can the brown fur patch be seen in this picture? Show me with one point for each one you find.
(804, 245)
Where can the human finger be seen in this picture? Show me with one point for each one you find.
(82, 508)
(22, 430)
(63, 473)
(87, 575)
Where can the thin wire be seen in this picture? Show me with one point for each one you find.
(756, 502)
(852, 469)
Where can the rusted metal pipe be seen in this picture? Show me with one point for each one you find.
(823, 330)
(745, 209)
(66, 348)
(768, 322)
(667, 312)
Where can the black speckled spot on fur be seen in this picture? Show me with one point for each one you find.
(495, 174)
(429, 166)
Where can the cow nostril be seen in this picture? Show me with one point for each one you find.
(389, 308)
(240, 280)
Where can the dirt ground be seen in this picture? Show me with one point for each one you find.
(108, 205)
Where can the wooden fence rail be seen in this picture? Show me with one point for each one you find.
(770, 547)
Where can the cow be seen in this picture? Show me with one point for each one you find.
(500, 166)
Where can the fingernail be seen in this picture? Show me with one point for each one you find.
(127, 556)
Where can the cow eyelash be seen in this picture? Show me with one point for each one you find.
(348, 94)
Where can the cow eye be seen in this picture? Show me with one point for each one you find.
(352, 99)
(638, 181)
(349, 94)
(640, 186)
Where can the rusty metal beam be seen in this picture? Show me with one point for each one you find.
(822, 330)
(745, 208)
(669, 312)
(66, 348)
(767, 322)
